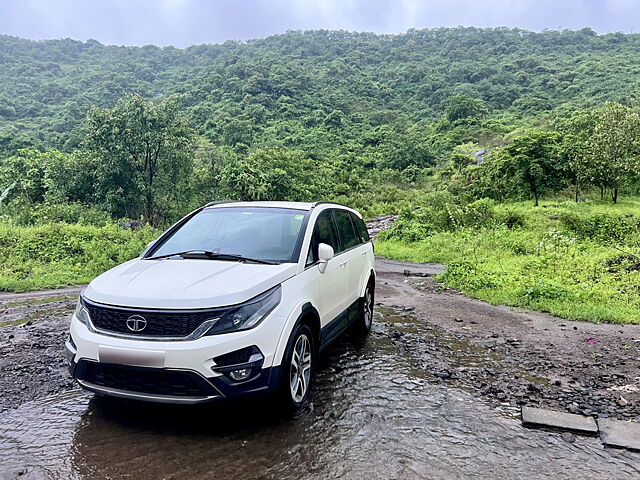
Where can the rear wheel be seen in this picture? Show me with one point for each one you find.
(364, 321)
(298, 368)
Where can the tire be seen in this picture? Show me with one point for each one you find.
(364, 321)
(298, 369)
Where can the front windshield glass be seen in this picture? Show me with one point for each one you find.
(268, 234)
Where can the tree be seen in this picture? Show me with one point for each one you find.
(145, 150)
(614, 147)
(534, 160)
(576, 132)
(464, 107)
(274, 174)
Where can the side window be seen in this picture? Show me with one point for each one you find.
(348, 234)
(361, 228)
(323, 232)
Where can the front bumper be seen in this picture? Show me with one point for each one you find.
(182, 372)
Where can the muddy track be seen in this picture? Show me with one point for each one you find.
(505, 356)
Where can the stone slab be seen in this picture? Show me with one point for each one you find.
(620, 434)
(538, 417)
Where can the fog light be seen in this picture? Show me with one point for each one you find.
(241, 374)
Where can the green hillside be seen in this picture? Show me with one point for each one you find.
(324, 91)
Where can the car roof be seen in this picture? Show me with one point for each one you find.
(293, 205)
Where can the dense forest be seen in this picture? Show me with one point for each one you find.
(304, 115)
(460, 130)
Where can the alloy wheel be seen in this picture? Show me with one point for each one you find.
(300, 372)
(368, 308)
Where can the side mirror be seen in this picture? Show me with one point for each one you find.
(325, 253)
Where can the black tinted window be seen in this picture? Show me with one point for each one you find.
(323, 232)
(360, 227)
(347, 233)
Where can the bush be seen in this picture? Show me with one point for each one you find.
(60, 254)
(442, 213)
(600, 227)
(46, 213)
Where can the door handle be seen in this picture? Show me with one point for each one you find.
(342, 264)
(364, 254)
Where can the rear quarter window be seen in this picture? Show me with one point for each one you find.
(361, 227)
(348, 234)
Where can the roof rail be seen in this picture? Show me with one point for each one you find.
(315, 204)
(219, 202)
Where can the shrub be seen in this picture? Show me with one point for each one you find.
(600, 227)
(60, 254)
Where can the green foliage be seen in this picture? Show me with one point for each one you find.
(464, 108)
(55, 255)
(442, 212)
(600, 227)
(614, 147)
(31, 178)
(578, 261)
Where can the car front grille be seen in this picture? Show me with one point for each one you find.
(150, 381)
(159, 323)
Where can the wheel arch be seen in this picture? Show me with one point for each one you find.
(371, 280)
(305, 313)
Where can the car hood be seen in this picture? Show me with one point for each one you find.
(185, 283)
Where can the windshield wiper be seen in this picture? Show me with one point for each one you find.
(209, 255)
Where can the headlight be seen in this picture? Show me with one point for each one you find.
(249, 314)
(82, 313)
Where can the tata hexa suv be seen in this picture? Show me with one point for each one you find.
(235, 298)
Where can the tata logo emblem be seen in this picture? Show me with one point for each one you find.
(136, 323)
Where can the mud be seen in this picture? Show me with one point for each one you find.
(375, 414)
(33, 328)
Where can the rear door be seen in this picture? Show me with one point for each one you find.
(350, 257)
(364, 251)
(333, 284)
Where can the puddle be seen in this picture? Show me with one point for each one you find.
(374, 416)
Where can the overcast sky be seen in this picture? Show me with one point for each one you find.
(187, 22)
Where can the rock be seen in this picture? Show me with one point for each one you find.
(568, 437)
(623, 402)
(458, 320)
(618, 433)
(537, 417)
(443, 374)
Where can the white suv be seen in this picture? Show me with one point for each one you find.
(235, 298)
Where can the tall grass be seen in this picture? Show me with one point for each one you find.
(578, 261)
(60, 254)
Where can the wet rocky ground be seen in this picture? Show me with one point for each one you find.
(510, 357)
(434, 392)
(377, 413)
(33, 329)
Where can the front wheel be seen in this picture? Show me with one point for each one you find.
(363, 323)
(298, 369)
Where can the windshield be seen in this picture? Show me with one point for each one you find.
(268, 234)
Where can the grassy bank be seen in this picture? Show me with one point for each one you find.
(60, 254)
(578, 261)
